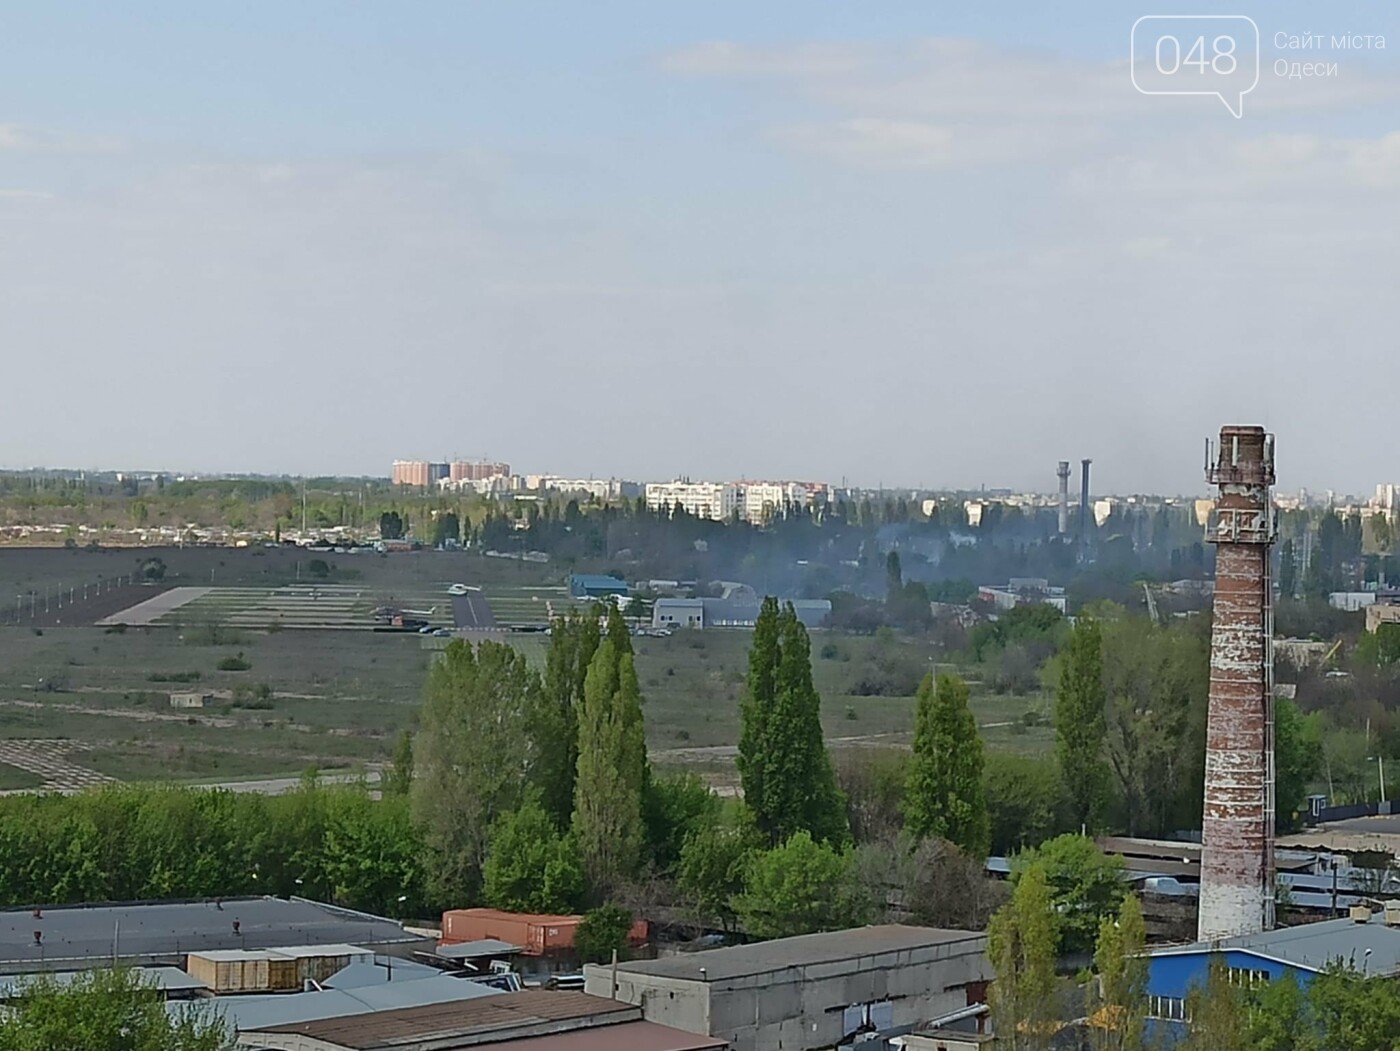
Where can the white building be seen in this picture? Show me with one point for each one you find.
(764, 501)
(1022, 591)
(717, 500)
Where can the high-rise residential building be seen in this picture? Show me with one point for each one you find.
(476, 470)
(717, 500)
(412, 472)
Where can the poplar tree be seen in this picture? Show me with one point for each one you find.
(1021, 941)
(944, 795)
(470, 757)
(1121, 993)
(612, 764)
(756, 708)
(788, 779)
(554, 724)
(1080, 725)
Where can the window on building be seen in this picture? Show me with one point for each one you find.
(1168, 1008)
(1243, 976)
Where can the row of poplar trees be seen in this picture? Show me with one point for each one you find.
(496, 739)
(788, 780)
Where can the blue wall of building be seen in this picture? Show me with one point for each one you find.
(1174, 975)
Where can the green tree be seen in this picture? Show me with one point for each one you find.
(554, 727)
(471, 757)
(713, 864)
(1281, 1018)
(672, 809)
(1026, 802)
(1080, 727)
(1122, 978)
(1021, 941)
(894, 578)
(1355, 1013)
(612, 764)
(372, 854)
(398, 779)
(1087, 885)
(944, 795)
(602, 932)
(106, 1010)
(531, 867)
(1297, 760)
(801, 887)
(1219, 1013)
(1287, 569)
(782, 753)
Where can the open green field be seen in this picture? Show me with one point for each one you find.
(83, 704)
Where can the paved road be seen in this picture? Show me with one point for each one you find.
(471, 611)
(154, 608)
(276, 786)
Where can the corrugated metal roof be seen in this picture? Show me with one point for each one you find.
(740, 961)
(502, 1013)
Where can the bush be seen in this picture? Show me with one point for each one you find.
(801, 887)
(830, 651)
(602, 931)
(234, 663)
(253, 696)
(115, 629)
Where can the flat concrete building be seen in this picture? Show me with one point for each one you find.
(813, 991)
(156, 933)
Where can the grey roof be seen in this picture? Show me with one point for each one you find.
(166, 979)
(739, 961)
(1313, 946)
(251, 1012)
(481, 947)
(361, 973)
(154, 932)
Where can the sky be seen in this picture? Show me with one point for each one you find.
(899, 243)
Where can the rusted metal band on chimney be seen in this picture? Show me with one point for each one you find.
(1237, 866)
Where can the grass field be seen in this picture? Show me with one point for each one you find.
(96, 700)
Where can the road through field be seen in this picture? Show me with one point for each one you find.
(154, 608)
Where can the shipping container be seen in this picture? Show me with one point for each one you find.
(537, 935)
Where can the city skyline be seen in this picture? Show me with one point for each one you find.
(712, 241)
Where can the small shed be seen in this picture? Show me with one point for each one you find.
(190, 700)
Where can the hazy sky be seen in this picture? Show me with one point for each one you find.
(917, 243)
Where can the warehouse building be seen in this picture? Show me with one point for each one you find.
(814, 991)
(530, 1020)
(730, 613)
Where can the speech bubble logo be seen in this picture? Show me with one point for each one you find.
(1196, 55)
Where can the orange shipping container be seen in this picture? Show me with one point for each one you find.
(535, 934)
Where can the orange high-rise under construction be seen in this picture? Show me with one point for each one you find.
(1237, 860)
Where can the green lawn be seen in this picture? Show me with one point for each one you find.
(12, 777)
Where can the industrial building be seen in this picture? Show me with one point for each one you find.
(528, 1020)
(1366, 941)
(812, 991)
(730, 613)
(595, 585)
(1022, 591)
(73, 937)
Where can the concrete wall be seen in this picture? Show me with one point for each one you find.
(802, 1007)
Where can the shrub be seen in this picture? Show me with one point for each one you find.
(234, 663)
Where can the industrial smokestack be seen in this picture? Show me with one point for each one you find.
(1237, 859)
(1062, 472)
(1084, 502)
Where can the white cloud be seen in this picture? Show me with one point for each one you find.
(18, 138)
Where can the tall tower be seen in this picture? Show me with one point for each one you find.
(1084, 509)
(1237, 859)
(1062, 472)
